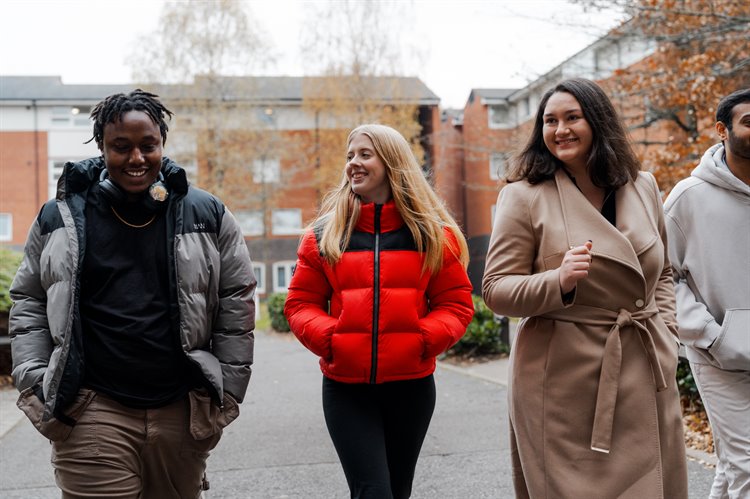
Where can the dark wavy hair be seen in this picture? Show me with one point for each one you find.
(725, 110)
(111, 109)
(611, 162)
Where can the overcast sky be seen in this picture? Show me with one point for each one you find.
(464, 44)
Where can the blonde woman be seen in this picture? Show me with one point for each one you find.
(379, 290)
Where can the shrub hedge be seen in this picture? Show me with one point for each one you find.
(484, 334)
(275, 305)
(10, 260)
(686, 385)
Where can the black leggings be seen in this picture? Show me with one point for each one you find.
(378, 431)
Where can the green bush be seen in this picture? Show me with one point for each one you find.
(483, 336)
(275, 305)
(686, 385)
(9, 262)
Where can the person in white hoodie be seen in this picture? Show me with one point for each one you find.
(708, 226)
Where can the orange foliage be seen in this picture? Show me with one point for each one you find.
(702, 53)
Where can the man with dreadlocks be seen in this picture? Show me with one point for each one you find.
(133, 316)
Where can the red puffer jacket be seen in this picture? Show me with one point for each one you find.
(387, 321)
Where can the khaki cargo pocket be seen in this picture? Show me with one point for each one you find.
(53, 428)
(206, 418)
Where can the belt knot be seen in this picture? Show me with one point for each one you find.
(609, 376)
(624, 318)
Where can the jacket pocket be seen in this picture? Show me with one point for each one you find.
(731, 349)
(435, 340)
(206, 418)
(53, 428)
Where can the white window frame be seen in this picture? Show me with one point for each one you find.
(259, 269)
(280, 230)
(287, 265)
(7, 234)
(55, 171)
(507, 123)
(498, 173)
(245, 216)
(266, 170)
(76, 116)
(183, 148)
(606, 59)
(525, 107)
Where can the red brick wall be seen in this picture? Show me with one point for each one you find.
(299, 168)
(479, 143)
(297, 187)
(447, 165)
(23, 179)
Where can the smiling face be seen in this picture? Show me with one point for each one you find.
(366, 171)
(566, 133)
(132, 149)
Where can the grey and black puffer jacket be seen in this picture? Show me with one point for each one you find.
(211, 280)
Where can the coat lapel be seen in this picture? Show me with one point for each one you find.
(634, 218)
(633, 234)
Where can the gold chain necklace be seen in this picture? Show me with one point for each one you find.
(153, 217)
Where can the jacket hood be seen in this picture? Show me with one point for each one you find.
(80, 175)
(714, 170)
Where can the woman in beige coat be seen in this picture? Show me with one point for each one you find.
(578, 249)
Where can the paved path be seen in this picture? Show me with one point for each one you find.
(279, 447)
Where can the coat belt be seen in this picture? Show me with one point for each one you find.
(609, 376)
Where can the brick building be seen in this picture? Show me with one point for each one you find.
(474, 144)
(257, 142)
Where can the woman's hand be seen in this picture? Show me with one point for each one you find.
(575, 266)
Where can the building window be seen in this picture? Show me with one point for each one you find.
(524, 107)
(259, 269)
(183, 148)
(606, 60)
(60, 115)
(75, 116)
(534, 100)
(6, 226)
(286, 222)
(81, 116)
(266, 171)
(497, 165)
(55, 172)
(282, 274)
(499, 116)
(251, 222)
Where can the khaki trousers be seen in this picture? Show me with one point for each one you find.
(115, 451)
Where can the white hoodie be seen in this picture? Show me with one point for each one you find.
(708, 225)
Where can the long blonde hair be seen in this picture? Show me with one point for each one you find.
(423, 212)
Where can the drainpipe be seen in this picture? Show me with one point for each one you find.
(36, 153)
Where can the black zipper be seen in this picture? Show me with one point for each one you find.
(376, 296)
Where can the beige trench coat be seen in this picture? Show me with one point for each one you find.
(594, 407)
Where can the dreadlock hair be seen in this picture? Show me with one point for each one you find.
(111, 109)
